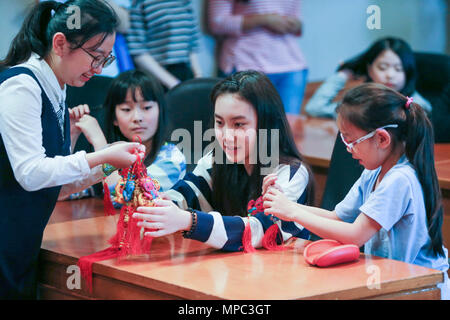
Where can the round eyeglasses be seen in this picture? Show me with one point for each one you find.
(100, 60)
(367, 136)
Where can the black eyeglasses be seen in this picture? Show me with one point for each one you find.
(100, 60)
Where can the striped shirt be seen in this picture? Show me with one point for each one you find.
(258, 49)
(167, 30)
(225, 232)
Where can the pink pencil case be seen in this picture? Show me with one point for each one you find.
(326, 252)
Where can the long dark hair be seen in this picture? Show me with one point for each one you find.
(151, 91)
(232, 187)
(49, 17)
(358, 65)
(370, 106)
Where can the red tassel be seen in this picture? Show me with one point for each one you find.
(247, 239)
(85, 263)
(269, 240)
(109, 208)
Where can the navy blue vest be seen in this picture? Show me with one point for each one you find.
(24, 214)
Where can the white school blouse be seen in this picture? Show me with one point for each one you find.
(21, 131)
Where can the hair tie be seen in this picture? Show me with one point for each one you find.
(408, 102)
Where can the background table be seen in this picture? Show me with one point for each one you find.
(187, 269)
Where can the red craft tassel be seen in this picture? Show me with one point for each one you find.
(85, 263)
(269, 240)
(247, 239)
(109, 208)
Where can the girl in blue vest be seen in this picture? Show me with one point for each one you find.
(58, 44)
(395, 207)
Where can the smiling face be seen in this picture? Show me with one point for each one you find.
(75, 66)
(137, 117)
(387, 69)
(235, 127)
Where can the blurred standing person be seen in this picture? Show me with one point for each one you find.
(262, 35)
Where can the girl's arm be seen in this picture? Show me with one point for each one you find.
(358, 232)
(81, 121)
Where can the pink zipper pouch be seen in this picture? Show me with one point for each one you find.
(327, 252)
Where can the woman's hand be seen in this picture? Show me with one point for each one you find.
(165, 217)
(277, 204)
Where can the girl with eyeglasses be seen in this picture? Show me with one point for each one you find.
(395, 208)
(58, 45)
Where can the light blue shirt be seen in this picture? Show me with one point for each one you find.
(397, 204)
(323, 104)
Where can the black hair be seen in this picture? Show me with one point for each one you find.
(358, 65)
(151, 91)
(371, 106)
(49, 17)
(232, 187)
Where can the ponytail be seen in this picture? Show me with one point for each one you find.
(419, 150)
(371, 106)
(50, 17)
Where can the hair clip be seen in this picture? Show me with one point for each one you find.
(408, 102)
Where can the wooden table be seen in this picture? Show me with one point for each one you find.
(187, 269)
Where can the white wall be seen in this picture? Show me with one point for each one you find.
(336, 30)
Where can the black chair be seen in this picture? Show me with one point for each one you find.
(342, 174)
(187, 102)
(93, 93)
(433, 83)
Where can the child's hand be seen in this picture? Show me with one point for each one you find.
(270, 181)
(122, 155)
(277, 204)
(92, 131)
(166, 217)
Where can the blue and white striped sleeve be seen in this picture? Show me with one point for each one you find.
(225, 232)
